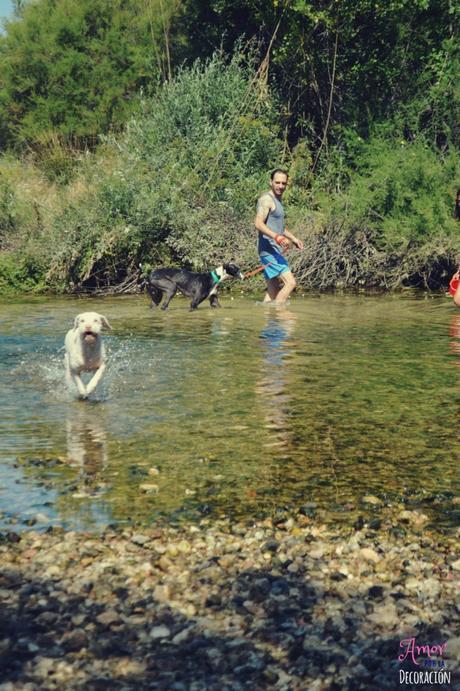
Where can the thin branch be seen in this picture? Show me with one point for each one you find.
(331, 94)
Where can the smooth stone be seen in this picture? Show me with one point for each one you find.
(159, 632)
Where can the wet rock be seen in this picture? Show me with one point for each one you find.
(369, 555)
(270, 546)
(140, 540)
(280, 587)
(47, 619)
(10, 578)
(359, 523)
(453, 648)
(149, 488)
(372, 500)
(385, 614)
(159, 632)
(337, 576)
(375, 592)
(308, 509)
(10, 536)
(213, 600)
(74, 640)
(162, 593)
(259, 590)
(108, 618)
(42, 518)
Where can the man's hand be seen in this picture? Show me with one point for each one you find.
(283, 241)
(293, 239)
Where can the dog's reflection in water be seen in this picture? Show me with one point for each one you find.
(87, 443)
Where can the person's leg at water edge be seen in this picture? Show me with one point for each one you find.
(287, 283)
(457, 296)
(279, 279)
(454, 287)
(273, 288)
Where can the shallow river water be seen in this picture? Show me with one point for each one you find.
(245, 411)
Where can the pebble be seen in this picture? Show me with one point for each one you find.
(288, 604)
(108, 617)
(370, 499)
(148, 487)
(453, 648)
(369, 554)
(140, 539)
(160, 632)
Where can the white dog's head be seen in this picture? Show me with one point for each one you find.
(90, 324)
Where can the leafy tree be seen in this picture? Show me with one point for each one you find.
(75, 69)
(342, 62)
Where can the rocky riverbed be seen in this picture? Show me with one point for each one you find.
(284, 604)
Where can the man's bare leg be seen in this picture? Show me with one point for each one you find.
(273, 288)
(288, 284)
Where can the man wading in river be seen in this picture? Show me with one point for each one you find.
(274, 237)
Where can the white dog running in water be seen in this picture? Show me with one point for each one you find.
(84, 351)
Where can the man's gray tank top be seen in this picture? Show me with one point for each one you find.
(275, 221)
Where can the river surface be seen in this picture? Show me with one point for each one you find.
(245, 411)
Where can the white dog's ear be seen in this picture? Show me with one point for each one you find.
(105, 322)
(75, 321)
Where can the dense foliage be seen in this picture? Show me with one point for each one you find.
(359, 98)
(74, 69)
(343, 62)
(178, 185)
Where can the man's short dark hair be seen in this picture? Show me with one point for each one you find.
(278, 170)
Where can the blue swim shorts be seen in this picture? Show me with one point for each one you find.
(275, 265)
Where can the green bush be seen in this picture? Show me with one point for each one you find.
(19, 274)
(403, 193)
(183, 181)
(7, 210)
(382, 215)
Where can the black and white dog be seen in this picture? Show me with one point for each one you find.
(197, 286)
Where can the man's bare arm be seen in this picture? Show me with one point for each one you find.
(264, 206)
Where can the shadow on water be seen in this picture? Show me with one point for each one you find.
(245, 411)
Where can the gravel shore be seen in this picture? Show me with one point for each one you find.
(275, 604)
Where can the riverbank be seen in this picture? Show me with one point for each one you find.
(224, 605)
